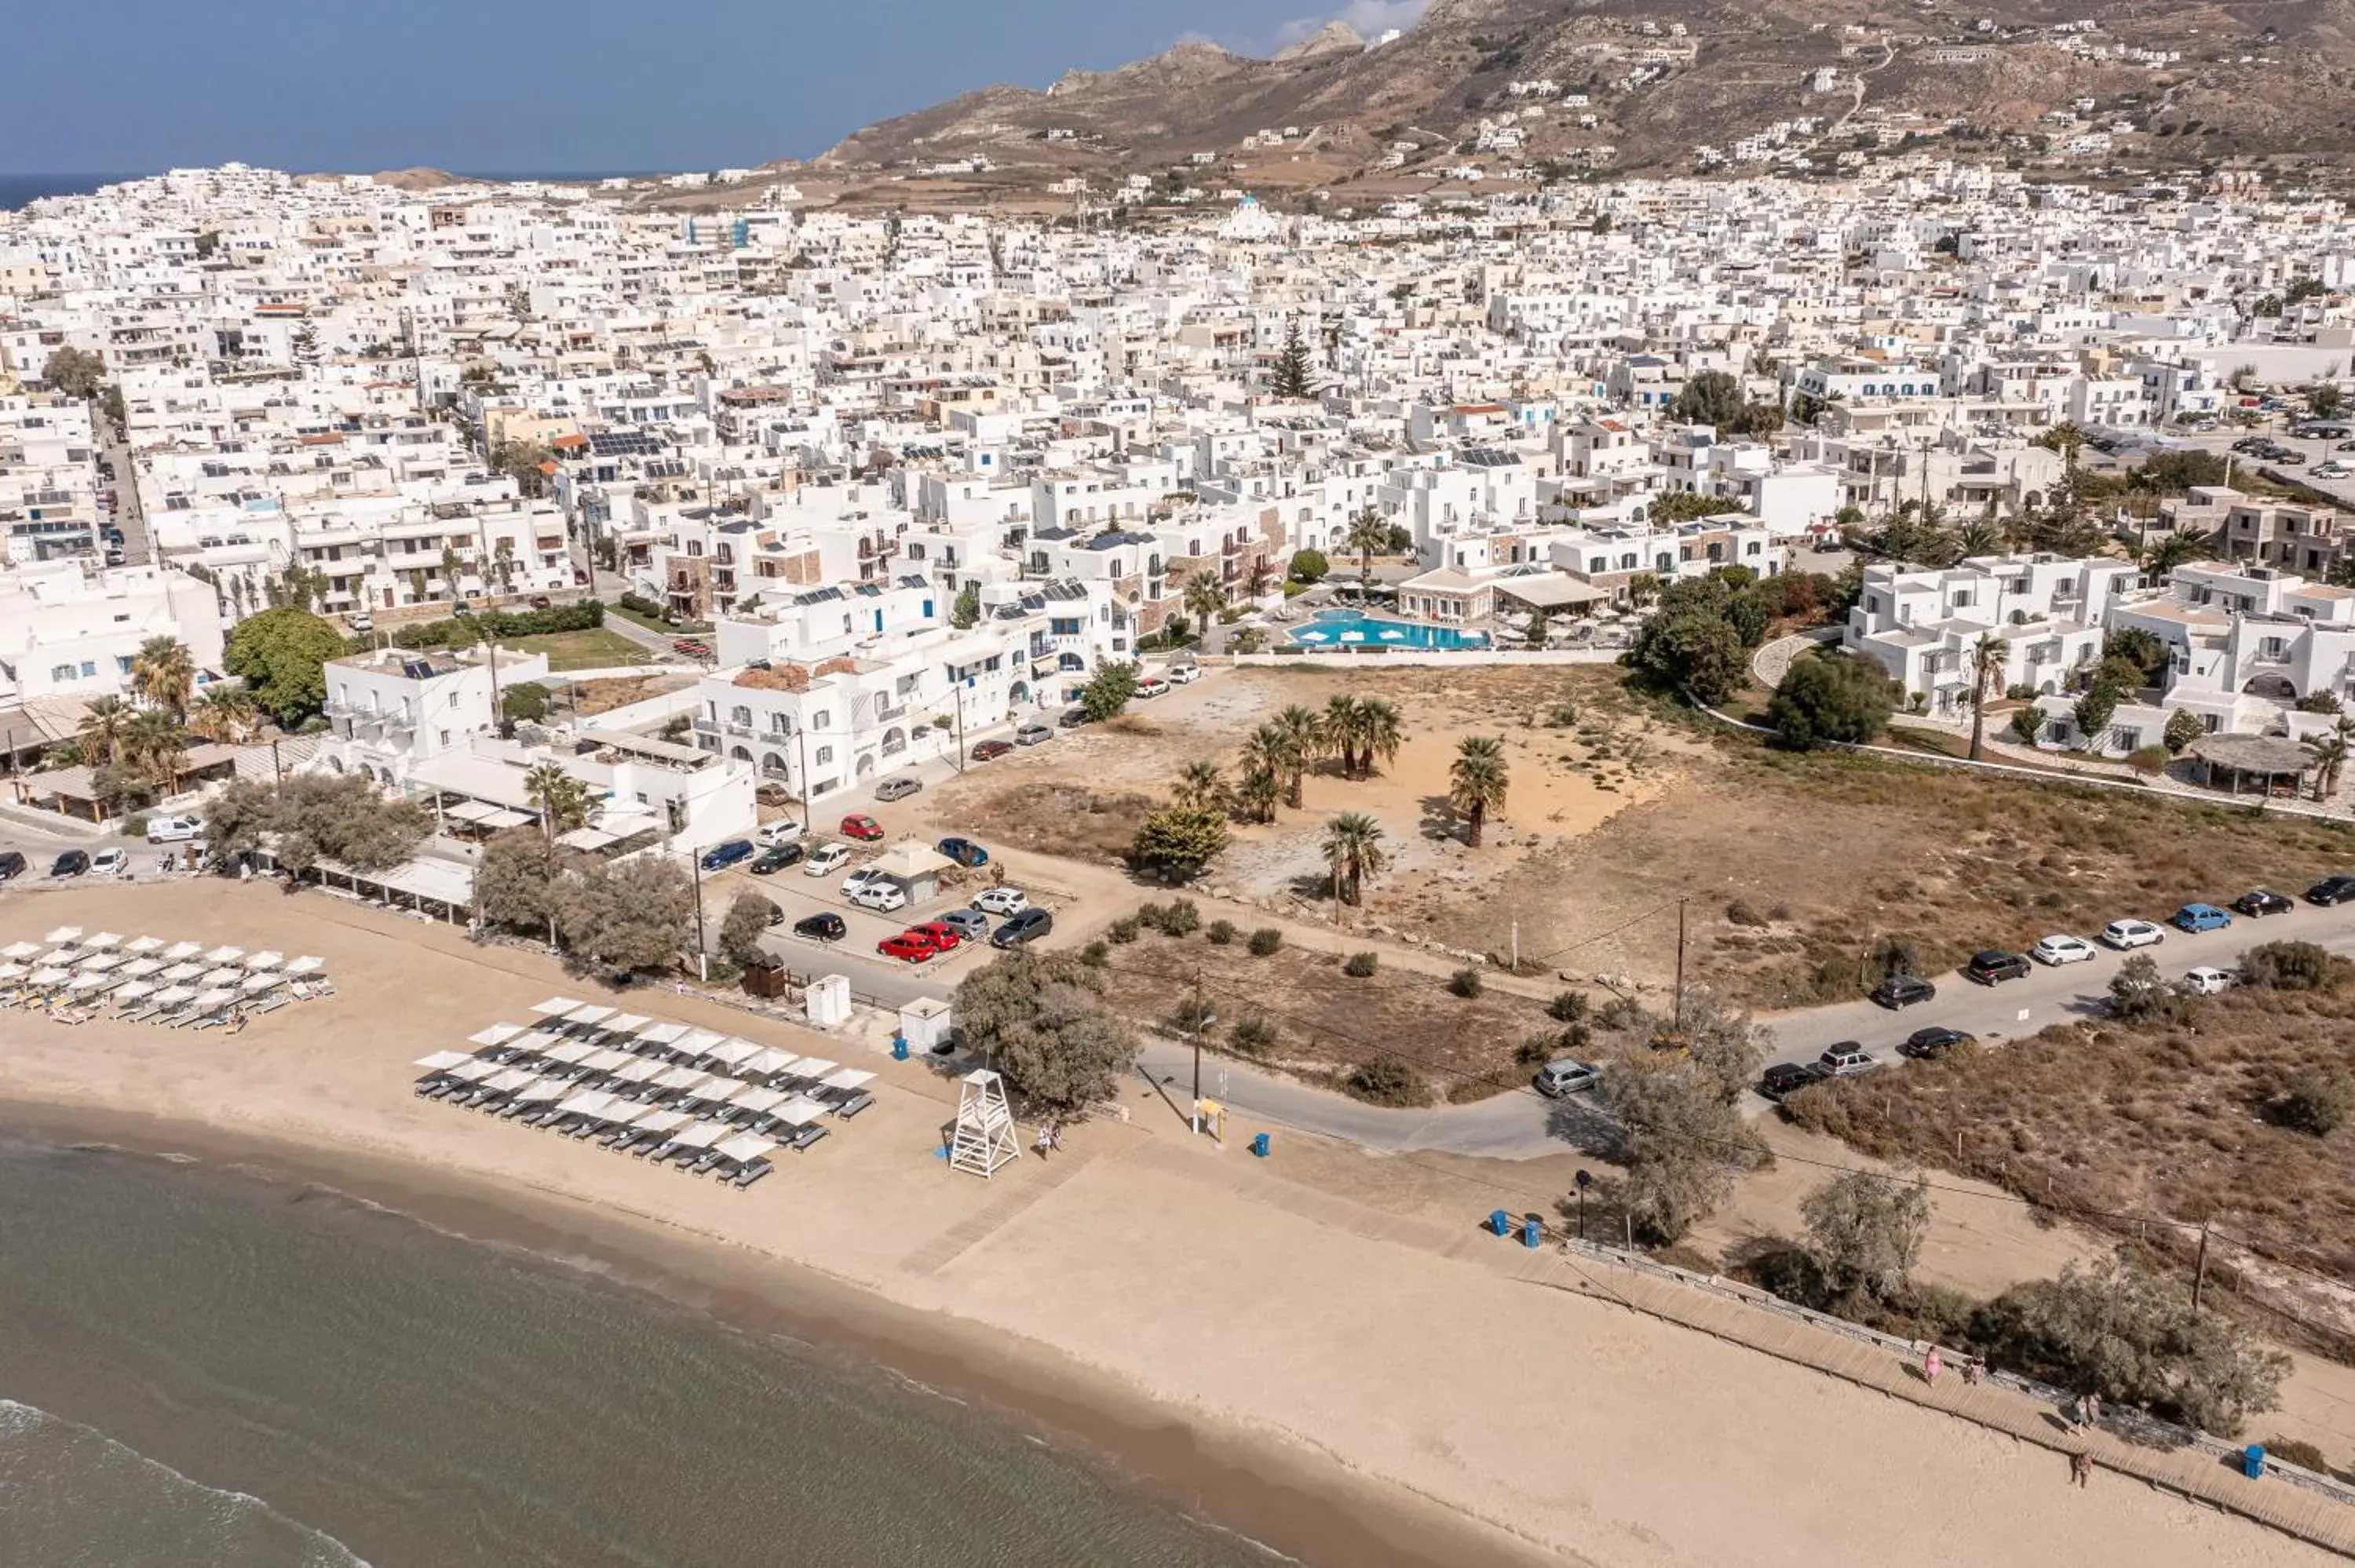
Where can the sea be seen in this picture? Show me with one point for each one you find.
(207, 1366)
(18, 190)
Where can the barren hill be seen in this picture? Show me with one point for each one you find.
(1663, 85)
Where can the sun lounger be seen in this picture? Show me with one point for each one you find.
(273, 1005)
(800, 1138)
(752, 1171)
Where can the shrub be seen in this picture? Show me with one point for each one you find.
(2292, 966)
(2304, 1454)
(1264, 941)
(1179, 917)
(1740, 912)
(1148, 914)
(1191, 1015)
(1360, 965)
(135, 828)
(1220, 933)
(1096, 955)
(1466, 983)
(1537, 1050)
(1252, 1036)
(1567, 1007)
(1123, 930)
(2316, 1100)
(1387, 1081)
(2150, 761)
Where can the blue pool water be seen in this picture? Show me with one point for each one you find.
(1351, 628)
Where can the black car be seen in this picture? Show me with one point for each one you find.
(770, 861)
(1995, 965)
(2258, 902)
(12, 865)
(73, 863)
(1923, 1044)
(825, 926)
(771, 913)
(2331, 890)
(1027, 925)
(1786, 1077)
(1903, 991)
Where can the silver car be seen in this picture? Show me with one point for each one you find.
(1566, 1077)
(899, 786)
(1034, 733)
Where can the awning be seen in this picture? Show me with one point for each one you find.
(469, 812)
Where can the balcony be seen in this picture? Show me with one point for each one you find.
(705, 726)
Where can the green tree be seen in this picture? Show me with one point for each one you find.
(524, 700)
(1866, 1230)
(1379, 734)
(1301, 737)
(1369, 535)
(1353, 848)
(632, 914)
(1108, 691)
(310, 817)
(1989, 654)
(223, 713)
(2295, 966)
(1179, 841)
(1665, 507)
(746, 922)
(1289, 377)
(2183, 727)
(1257, 794)
(164, 674)
(563, 802)
(1040, 1018)
(1681, 1143)
(1203, 597)
(282, 656)
(2326, 400)
(2028, 724)
(1477, 781)
(965, 613)
(1201, 786)
(2094, 712)
(1308, 566)
(1696, 642)
(75, 372)
(518, 879)
(1709, 397)
(2143, 657)
(1826, 698)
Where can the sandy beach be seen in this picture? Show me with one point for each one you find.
(1268, 1341)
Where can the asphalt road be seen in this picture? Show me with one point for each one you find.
(127, 515)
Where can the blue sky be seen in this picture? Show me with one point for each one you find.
(127, 86)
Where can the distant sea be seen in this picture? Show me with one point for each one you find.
(16, 190)
(203, 1367)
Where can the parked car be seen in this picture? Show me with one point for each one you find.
(865, 876)
(1995, 965)
(1184, 675)
(2331, 890)
(860, 826)
(1034, 733)
(1072, 719)
(883, 898)
(363, 624)
(1152, 686)
(1566, 1077)
(826, 859)
(991, 750)
(1845, 1059)
(939, 934)
(73, 863)
(720, 857)
(1924, 1045)
(773, 911)
(770, 861)
(1903, 991)
(1002, 901)
(110, 862)
(2128, 935)
(2201, 917)
(1026, 926)
(783, 830)
(2332, 470)
(2257, 903)
(1789, 1077)
(824, 926)
(908, 948)
(175, 830)
(970, 925)
(12, 865)
(2206, 981)
(965, 852)
(2059, 949)
(540, 601)
(690, 648)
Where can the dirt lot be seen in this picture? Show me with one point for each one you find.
(621, 691)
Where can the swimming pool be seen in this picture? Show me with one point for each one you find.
(1352, 628)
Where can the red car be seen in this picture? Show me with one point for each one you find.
(991, 750)
(908, 945)
(939, 932)
(859, 825)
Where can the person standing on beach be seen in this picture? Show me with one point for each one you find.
(2081, 1468)
(1930, 1367)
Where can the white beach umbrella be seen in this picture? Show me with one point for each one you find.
(557, 1006)
(588, 1012)
(264, 960)
(51, 976)
(305, 965)
(814, 1067)
(63, 935)
(140, 968)
(746, 1146)
(174, 996)
(801, 1110)
(180, 972)
(697, 1042)
(218, 996)
(441, 1061)
(224, 954)
(100, 963)
(17, 951)
(60, 956)
(140, 947)
(226, 975)
(104, 940)
(181, 952)
(12, 972)
(663, 1033)
(626, 1023)
(849, 1078)
(497, 1034)
(90, 985)
(768, 1062)
(130, 992)
(254, 985)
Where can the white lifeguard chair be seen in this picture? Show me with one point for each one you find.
(986, 1136)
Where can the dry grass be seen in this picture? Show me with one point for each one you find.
(1051, 818)
(2112, 1124)
(621, 691)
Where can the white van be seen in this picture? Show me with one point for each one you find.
(174, 830)
(826, 859)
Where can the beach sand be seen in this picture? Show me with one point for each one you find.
(1347, 1395)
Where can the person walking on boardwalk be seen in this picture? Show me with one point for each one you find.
(1930, 1367)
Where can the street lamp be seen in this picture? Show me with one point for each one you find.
(1586, 1179)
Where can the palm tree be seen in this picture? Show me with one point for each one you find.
(102, 727)
(1476, 782)
(562, 799)
(1340, 729)
(1540, 626)
(1256, 796)
(2331, 755)
(1379, 734)
(1202, 787)
(2178, 549)
(164, 674)
(1301, 736)
(1204, 597)
(1353, 848)
(1369, 531)
(1988, 654)
(2066, 438)
(153, 746)
(223, 713)
(1981, 536)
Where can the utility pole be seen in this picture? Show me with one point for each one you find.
(702, 951)
(277, 773)
(1195, 1018)
(2199, 1270)
(960, 713)
(802, 736)
(1680, 967)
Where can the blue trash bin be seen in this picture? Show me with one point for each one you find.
(899, 1047)
(1501, 1222)
(1532, 1230)
(1259, 1144)
(2252, 1461)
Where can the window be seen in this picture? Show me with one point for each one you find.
(824, 756)
(445, 737)
(453, 700)
(822, 719)
(61, 672)
(123, 663)
(89, 668)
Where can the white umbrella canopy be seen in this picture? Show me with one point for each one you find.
(140, 947)
(179, 972)
(557, 1006)
(306, 965)
(100, 963)
(224, 976)
(60, 956)
(63, 935)
(10, 971)
(264, 960)
(173, 996)
(140, 968)
(51, 976)
(181, 952)
(254, 985)
(104, 940)
(224, 954)
(16, 951)
(130, 992)
(87, 985)
(216, 997)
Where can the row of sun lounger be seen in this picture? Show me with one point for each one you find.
(147, 981)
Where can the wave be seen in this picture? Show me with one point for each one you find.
(63, 1484)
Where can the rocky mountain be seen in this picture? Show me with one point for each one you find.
(1551, 87)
